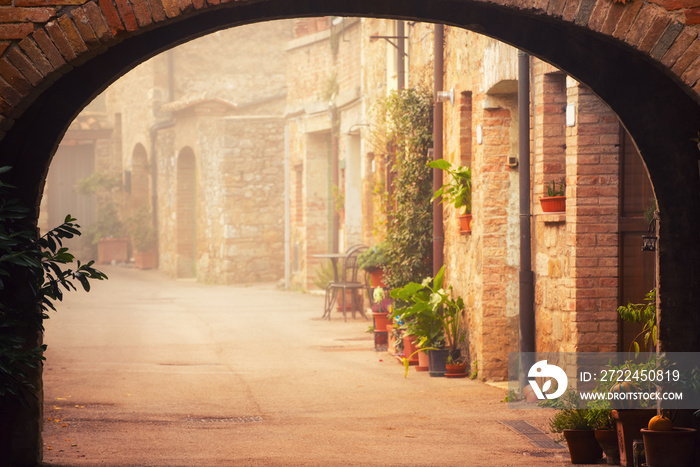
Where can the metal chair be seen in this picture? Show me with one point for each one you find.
(348, 279)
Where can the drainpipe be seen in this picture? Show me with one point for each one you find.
(527, 307)
(333, 111)
(400, 69)
(438, 228)
(153, 133)
(287, 213)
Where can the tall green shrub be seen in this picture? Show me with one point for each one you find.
(406, 121)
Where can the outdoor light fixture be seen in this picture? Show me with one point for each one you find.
(649, 240)
(444, 96)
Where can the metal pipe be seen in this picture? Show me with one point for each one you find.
(527, 292)
(400, 70)
(438, 228)
(287, 213)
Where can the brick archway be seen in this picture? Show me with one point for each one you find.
(641, 58)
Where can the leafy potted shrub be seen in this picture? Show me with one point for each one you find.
(458, 191)
(108, 232)
(434, 317)
(555, 201)
(143, 237)
(575, 424)
(373, 260)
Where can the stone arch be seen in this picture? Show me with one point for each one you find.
(186, 213)
(642, 58)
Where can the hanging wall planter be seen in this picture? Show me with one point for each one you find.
(465, 224)
(553, 204)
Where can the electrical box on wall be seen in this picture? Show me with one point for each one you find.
(512, 162)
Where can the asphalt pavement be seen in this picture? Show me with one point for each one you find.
(145, 370)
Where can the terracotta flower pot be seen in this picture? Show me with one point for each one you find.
(456, 371)
(553, 203)
(607, 439)
(669, 448)
(380, 321)
(583, 447)
(423, 362)
(376, 278)
(145, 260)
(409, 349)
(112, 250)
(465, 223)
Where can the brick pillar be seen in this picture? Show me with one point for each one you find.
(592, 222)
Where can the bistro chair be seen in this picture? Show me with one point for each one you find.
(349, 278)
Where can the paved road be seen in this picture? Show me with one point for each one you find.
(148, 371)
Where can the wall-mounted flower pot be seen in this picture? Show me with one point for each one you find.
(583, 447)
(553, 203)
(673, 448)
(465, 223)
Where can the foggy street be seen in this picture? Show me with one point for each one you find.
(145, 370)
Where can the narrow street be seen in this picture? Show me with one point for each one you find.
(148, 371)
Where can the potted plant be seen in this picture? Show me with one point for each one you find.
(143, 237)
(555, 201)
(666, 445)
(373, 260)
(604, 430)
(458, 191)
(108, 232)
(575, 424)
(433, 317)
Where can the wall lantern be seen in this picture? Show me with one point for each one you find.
(649, 240)
(444, 96)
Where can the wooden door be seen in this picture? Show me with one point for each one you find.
(637, 273)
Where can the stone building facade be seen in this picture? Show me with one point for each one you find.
(197, 136)
(290, 157)
(586, 259)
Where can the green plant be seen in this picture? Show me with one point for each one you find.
(338, 198)
(458, 191)
(570, 416)
(372, 258)
(512, 396)
(601, 419)
(431, 314)
(403, 128)
(324, 275)
(552, 189)
(109, 196)
(644, 314)
(142, 232)
(32, 278)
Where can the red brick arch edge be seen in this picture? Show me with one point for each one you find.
(40, 39)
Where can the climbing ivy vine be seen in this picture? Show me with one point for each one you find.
(405, 121)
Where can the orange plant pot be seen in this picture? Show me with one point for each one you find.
(553, 203)
(376, 278)
(465, 223)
